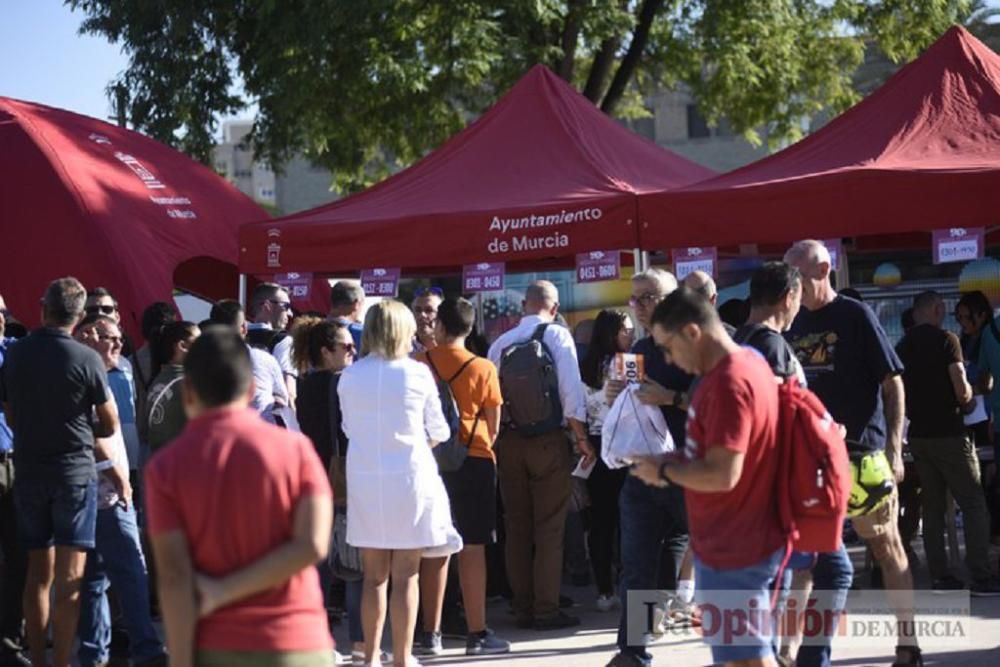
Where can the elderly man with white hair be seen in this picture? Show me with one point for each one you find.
(851, 365)
(654, 532)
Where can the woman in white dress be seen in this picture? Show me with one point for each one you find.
(397, 506)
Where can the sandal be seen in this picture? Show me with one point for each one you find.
(915, 655)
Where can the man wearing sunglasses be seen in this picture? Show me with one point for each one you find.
(425, 309)
(272, 310)
(653, 520)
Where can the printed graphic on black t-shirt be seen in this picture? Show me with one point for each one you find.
(846, 356)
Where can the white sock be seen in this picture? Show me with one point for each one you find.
(685, 590)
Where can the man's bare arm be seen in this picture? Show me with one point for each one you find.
(107, 419)
(894, 400)
(175, 582)
(308, 544)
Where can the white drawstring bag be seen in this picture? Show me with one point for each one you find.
(632, 430)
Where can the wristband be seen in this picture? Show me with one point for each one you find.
(663, 473)
(678, 399)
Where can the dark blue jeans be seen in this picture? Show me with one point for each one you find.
(832, 577)
(118, 558)
(653, 526)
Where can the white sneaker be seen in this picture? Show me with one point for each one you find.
(606, 603)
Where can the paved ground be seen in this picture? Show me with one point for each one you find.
(593, 643)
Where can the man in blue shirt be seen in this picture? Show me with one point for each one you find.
(14, 557)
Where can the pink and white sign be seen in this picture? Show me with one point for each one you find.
(483, 277)
(958, 244)
(689, 260)
(297, 284)
(836, 247)
(381, 282)
(592, 267)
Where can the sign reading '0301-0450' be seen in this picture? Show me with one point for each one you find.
(958, 244)
(483, 277)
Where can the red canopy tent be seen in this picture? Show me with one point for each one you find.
(920, 153)
(81, 197)
(541, 174)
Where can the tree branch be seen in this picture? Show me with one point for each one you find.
(630, 62)
(599, 69)
(570, 37)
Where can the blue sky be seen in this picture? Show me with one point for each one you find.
(46, 61)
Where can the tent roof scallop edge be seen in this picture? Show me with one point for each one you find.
(541, 173)
(920, 153)
(82, 197)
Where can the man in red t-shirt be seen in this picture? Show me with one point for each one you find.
(239, 511)
(728, 471)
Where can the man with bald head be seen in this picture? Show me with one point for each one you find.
(703, 284)
(850, 364)
(534, 471)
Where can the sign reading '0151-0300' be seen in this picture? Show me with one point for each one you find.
(381, 282)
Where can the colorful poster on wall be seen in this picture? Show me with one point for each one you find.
(592, 267)
(688, 260)
(483, 277)
(958, 244)
(297, 284)
(381, 282)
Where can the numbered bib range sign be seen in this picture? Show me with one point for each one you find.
(380, 282)
(297, 284)
(689, 260)
(592, 267)
(482, 277)
(958, 244)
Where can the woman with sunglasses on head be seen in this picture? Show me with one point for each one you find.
(613, 333)
(321, 350)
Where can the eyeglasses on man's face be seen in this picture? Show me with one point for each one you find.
(103, 310)
(284, 305)
(647, 299)
(107, 338)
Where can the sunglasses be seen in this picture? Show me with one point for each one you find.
(348, 347)
(429, 291)
(103, 310)
(284, 305)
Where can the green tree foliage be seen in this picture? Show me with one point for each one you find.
(362, 85)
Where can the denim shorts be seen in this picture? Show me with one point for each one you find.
(53, 513)
(736, 606)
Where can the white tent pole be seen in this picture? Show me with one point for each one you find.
(243, 290)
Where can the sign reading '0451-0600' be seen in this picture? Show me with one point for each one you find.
(592, 267)
(958, 244)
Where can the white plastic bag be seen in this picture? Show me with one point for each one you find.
(632, 429)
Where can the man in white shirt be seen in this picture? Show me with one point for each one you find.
(272, 308)
(534, 472)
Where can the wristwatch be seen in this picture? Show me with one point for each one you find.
(663, 473)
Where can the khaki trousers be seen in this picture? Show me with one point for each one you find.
(534, 476)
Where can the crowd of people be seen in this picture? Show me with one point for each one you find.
(246, 475)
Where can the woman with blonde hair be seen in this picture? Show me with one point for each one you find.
(397, 507)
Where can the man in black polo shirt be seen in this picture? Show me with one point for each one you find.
(51, 388)
(936, 393)
(654, 533)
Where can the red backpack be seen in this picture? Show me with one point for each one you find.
(814, 474)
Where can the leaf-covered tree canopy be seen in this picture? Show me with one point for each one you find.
(361, 85)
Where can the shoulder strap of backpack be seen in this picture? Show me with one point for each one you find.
(276, 337)
(462, 368)
(540, 331)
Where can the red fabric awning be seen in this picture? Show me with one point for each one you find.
(112, 207)
(920, 153)
(541, 174)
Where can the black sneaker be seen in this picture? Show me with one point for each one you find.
(986, 588)
(560, 621)
(486, 643)
(948, 583)
(628, 660)
(427, 644)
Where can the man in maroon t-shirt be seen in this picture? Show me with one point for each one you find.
(728, 471)
(239, 511)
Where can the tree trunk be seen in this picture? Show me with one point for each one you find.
(630, 62)
(570, 36)
(600, 68)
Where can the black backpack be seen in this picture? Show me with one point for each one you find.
(451, 453)
(530, 387)
(265, 339)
